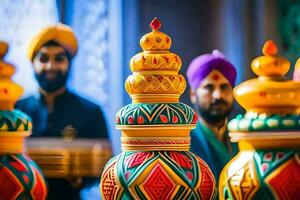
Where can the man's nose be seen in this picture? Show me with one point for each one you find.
(217, 94)
(50, 64)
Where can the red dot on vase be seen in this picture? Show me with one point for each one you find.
(130, 120)
(140, 120)
(189, 175)
(174, 119)
(163, 118)
(117, 119)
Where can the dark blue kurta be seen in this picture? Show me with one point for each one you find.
(70, 112)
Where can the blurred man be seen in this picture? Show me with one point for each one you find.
(55, 111)
(211, 78)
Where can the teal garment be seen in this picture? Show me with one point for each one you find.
(205, 144)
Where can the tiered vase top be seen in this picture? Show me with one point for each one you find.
(14, 124)
(155, 120)
(272, 102)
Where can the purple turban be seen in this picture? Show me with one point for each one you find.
(202, 65)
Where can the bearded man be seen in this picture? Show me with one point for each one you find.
(212, 78)
(56, 111)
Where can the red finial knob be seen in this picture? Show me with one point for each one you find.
(155, 24)
(270, 48)
(3, 49)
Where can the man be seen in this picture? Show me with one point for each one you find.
(55, 111)
(211, 78)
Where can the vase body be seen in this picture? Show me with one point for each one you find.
(157, 175)
(20, 177)
(262, 173)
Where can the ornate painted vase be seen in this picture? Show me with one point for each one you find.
(268, 135)
(156, 162)
(20, 177)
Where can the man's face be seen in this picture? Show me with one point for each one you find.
(51, 66)
(214, 97)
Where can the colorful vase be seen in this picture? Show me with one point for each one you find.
(156, 162)
(268, 135)
(20, 177)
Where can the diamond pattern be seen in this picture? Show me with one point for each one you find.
(12, 187)
(158, 185)
(286, 182)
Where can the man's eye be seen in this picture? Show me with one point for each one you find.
(225, 87)
(60, 59)
(44, 59)
(209, 87)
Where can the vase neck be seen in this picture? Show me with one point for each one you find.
(12, 142)
(155, 143)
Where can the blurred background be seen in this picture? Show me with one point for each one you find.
(109, 32)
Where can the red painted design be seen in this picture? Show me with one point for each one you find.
(279, 155)
(118, 120)
(39, 189)
(195, 118)
(166, 58)
(163, 118)
(137, 159)
(158, 184)
(149, 78)
(174, 119)
(127, 174)
(140, 120)
(160, 78)
(216, 77)
(12, 187)
(5, 90)
(286, 182)
(262, 94)
(140, 142)
(167, 40)
(181, 160)
(267, 157)
(264, 167)
(25, 178)
(130, 120)
(176, 59)
(155, 24)
(108, 183)
(154, 61)
(18, 165)
(207, 186)
(189, 175)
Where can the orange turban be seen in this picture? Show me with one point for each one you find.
(60, 33)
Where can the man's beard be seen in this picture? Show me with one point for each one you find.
(51, 85)
(212, 116)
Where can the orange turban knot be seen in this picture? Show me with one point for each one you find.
(60, 33)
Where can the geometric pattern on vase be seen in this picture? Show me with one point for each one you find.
(146, 114)
(267, 160)
(285, 180)
(243, 183)
(20, 178)
(253, 181)
(157, 175)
